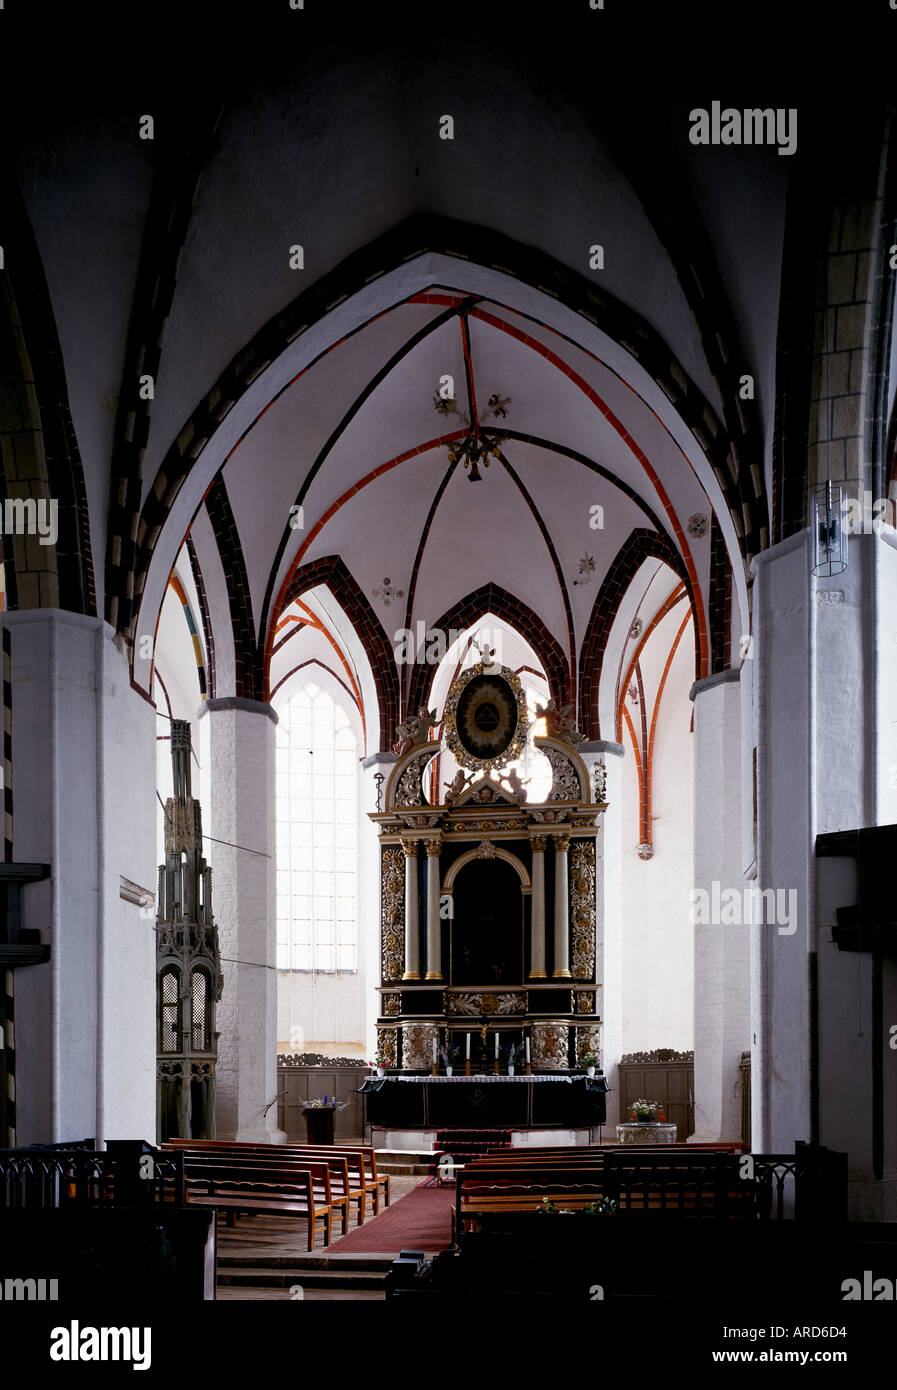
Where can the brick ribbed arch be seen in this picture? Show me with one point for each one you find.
(447, 237)
(331, 572)
(639, 546)
(492, 598)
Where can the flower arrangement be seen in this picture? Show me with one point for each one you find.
(381, 1059)
(450, 1055)
(590, 1059)
(648, 1112)
(514, 1054)
(604, 1206)
(327, 1103)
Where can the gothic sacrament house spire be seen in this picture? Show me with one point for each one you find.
(188, 965)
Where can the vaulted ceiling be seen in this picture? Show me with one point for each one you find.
(299, 261)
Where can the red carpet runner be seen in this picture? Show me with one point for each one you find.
(421, 1220)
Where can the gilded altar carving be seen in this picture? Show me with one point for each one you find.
(473, 1005)
(486, 850)
(549, 1044)
(392, 1004)
(582, 908)
(388, 1042)
(565, 778)
(409, 791)
(392, 909)
(583, 1001)
(417, 1045)
(588, 1039)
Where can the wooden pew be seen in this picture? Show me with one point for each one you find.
(330, 1179)
(288, 1192)
(359, 1183)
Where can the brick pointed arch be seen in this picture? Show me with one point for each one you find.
(330, 571)
(639, 546)
(492, 598)
(443, 236)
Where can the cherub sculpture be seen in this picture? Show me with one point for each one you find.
(517, 788)
(558, 723)
(455, 787)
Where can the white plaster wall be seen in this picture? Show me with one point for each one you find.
(84, 792)
(657, 932)
(321, 1013)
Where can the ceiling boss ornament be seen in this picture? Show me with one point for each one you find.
(476, 447)
(486, 717)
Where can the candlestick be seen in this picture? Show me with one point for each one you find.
(467, 1067)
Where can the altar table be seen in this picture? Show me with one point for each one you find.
(401, 1102)
(634, 1133)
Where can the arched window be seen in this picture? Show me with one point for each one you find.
(200, 999)
(317, 811)
(169, 1009)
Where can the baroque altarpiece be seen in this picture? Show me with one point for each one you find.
(189, 979)
(488, 900)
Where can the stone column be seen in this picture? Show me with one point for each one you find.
(412, 938)
(561, 909)
(434, 944)
(537, 947)
(241, 736)
(721, 938)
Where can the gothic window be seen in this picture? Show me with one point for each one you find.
(169, 993)
(317, 815)
(199, 1017)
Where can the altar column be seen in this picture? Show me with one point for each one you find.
(412, 921)
(561, 909)
(537, 951)
(434, 952)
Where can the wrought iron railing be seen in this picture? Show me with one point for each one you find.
(810, 1184)
(45, 1178)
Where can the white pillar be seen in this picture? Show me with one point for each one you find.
(84, 802)
(537, 940)
(434, 945)
(561, 909)
(241, 821)
(412, 918)
(721, 910)
(825, 661)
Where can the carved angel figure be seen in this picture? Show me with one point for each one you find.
(559, 724)
(517, 787)
(455, 787)
(414, 731)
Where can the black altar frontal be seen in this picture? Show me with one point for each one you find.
(488, 910)
(520, 1102)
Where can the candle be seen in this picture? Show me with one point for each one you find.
(434, 1052)
(467, 1054)
(496, 1046)
(527, 1051)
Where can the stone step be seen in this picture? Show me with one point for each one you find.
(256, 1277)
(401, 1168)
(371, 1264)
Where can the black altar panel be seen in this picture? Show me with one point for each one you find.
(462, 1104)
